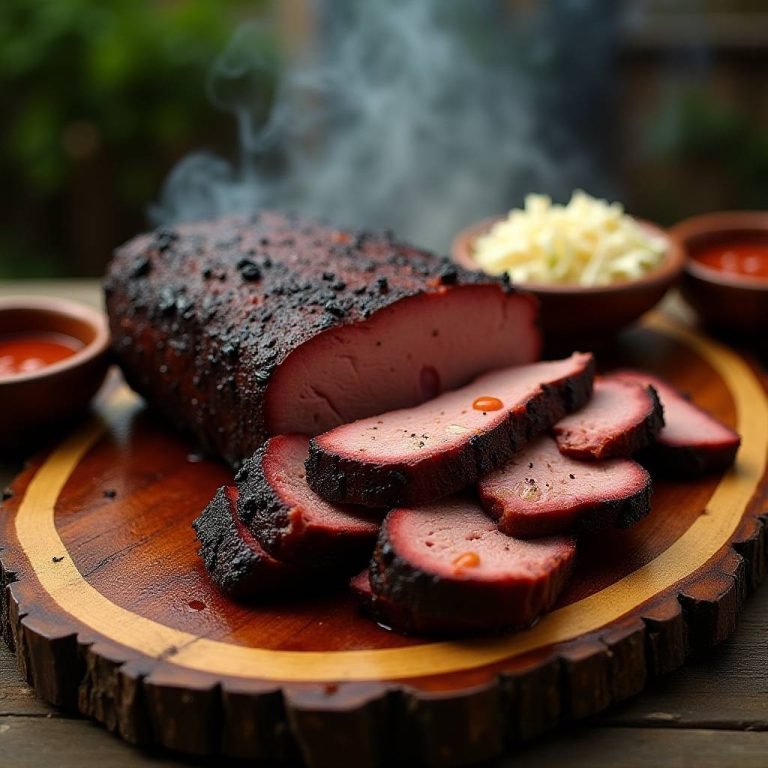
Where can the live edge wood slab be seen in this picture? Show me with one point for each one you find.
(111, 615)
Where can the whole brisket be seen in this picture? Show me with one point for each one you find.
(244, 327)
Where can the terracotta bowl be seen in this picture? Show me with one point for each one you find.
(32, 402)
(725, 301)
(579, 314)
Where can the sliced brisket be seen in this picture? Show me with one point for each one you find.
(380, 609)
(361, 586)
(245, 327)
(235, 561)
(541, 492)
(692, 442)
(446, 568)
(621, 418)
(423, 453)
(390, 615)
(289, 519)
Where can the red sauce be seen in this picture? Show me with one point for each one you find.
(487, 404)
(747, 257)
(466, 560)
(27, 353)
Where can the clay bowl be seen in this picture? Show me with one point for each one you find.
(31, 403)
(725, 301)
(587, 315)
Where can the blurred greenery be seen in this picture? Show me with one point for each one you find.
(105, 94)
(709, 128)
(703, 152)
(101, 99)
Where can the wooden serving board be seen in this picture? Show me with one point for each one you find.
(111, 614)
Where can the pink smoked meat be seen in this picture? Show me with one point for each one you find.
(540, 492)
(245, 327)
(360, 586)
(692, 442)
(446, 568)
(423, 453)
(288, 518)
(621, 418)
(234, 559)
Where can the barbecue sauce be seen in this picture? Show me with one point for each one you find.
(466, 560)
(487, 404)
(26, 353)
(747, 258)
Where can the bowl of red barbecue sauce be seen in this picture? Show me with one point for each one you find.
(53, 359)
(726, 272)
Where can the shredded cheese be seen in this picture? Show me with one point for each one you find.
(586, 242)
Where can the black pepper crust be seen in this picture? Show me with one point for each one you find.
(257, 495)
(340, 477)
(617, 513)
(390, 614)
(201, 315)
(238, 569)
(282, 531)
(686, 462)
(647, 432)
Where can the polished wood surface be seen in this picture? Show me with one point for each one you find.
(137, 576)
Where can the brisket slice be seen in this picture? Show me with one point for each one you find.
(382, 610)
(541, 492)
(360, 586)
(288, 518)
(390, 615)
(245, 327)
(446, 568)
(423, 453)
(692, 442)
(621, 418)
(235, 561)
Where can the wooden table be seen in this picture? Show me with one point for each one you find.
(713, 712)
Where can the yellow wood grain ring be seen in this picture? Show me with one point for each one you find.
(38, 537)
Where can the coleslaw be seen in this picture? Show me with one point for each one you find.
(586, 242)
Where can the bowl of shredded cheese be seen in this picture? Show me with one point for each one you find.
(594, 268)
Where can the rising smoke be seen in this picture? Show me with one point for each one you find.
(414, 115)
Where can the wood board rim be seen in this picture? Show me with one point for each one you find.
(153, 700)
(37, 536)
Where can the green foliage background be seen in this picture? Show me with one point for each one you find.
(113, 86)
(100, 98)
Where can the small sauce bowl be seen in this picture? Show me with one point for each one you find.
(587, 314)
(727, 301)
(34, 400)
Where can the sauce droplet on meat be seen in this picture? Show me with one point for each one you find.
(27, 353)
(466, 560)
(487, 404)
